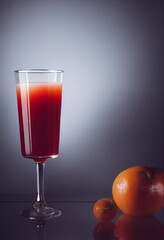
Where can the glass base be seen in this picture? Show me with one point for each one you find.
(38, 211)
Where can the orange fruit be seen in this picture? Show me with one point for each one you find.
(105, 209)
(139, 190)
(138, 228)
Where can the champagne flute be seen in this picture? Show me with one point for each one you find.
(39, 95)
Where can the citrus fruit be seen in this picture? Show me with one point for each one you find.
(105, 209)
(139, 190)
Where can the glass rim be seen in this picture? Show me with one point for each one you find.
(38, 71)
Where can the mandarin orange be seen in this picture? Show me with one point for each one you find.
(105, 209)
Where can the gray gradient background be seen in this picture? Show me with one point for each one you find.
(112, 114)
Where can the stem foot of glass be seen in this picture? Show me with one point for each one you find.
(38, 211)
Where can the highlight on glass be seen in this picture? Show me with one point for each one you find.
(39, 97)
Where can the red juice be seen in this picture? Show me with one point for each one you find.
(39, 107)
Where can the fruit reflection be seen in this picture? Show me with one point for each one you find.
(139, 228)
(104, 231)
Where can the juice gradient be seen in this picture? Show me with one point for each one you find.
(39, 109)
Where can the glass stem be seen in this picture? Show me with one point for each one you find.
(40, 184)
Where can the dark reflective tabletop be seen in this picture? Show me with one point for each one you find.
(77, 222)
